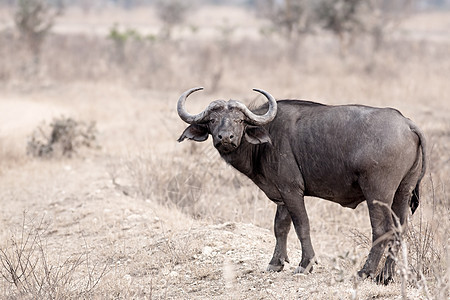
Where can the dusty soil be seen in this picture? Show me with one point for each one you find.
(150, 249)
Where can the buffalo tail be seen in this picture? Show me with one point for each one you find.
(414, 203)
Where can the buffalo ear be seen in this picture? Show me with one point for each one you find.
(198, 133)
(257, 135)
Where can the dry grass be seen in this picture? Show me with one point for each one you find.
(153, 211)
(33, 271)
(180, 182)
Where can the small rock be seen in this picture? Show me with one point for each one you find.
(134, 217)
(173, 274)
(207, 251)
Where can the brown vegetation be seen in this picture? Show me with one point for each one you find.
(146, 217)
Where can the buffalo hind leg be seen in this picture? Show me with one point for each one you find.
(382, 234)
(282, 225)
(400, 212)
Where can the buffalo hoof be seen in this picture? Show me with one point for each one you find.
(309, 267)
(364, 274)
(274, 268)
(383, 278)
(302, 270)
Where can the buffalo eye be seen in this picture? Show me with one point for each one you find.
(212, 121)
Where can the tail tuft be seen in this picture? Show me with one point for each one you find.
(414, 202)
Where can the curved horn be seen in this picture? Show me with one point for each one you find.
(181, 108)
(259, 120)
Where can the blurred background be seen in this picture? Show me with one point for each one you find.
(88, 130)
(232, 45)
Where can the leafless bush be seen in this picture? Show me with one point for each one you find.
(289, 17)
(349, 19)
(34, 19)
(28, 268)
(345, 18)
(171, 13)
(63, 137)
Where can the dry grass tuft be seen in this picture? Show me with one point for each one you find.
(181, 183)
(427, 241)
(33, 272)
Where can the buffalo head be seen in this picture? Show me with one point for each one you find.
(227, 121)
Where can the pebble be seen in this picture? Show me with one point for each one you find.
(207, 251)
(173, 274)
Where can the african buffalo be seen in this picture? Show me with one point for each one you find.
(344, 153)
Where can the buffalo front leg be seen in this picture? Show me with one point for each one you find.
(282, 225)
(300, 220)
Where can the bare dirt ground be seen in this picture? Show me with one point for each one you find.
(143, 217)
(150, 249)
